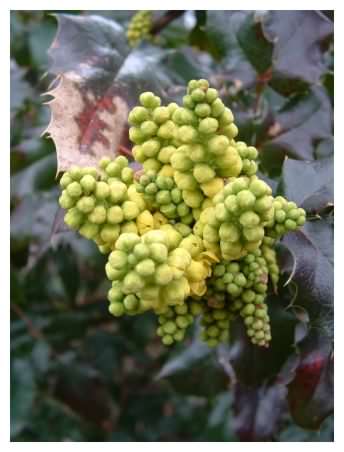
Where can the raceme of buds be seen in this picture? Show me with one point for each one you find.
(193, 233)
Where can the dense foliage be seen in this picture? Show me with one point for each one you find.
(76, 372)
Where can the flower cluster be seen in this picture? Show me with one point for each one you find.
(192, 233)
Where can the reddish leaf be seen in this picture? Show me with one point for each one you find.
(98, 80)
(310, 394)
(83, 126)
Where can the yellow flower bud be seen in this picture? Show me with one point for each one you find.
(129, 227)
(179, 258)
(196, 271)
(159, 220)
(192, 244)
(145, 222)
(166, 170)
(212, 187)
(193, 198)
(198, 288)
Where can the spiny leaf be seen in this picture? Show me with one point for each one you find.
(98, 78)
(254, 43)
(300, 124)
(297, 55)
(309, 184)
(222, 27)
(312, 250)
(84, 127)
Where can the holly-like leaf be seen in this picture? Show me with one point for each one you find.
(309, 184)
(222, 27)
(98, 79)
(300, 125)
(311, 270)
(297, 55)
(194, 371)
(188, 64)
(254, 43)
(310, 394)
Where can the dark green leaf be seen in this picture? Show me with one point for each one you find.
(304, 121)
(103, 350)
(41, 355)
(324, 148)
(187, 65)
(20, 89)
(68, 269)
(33, 219)
(39, 176)
(222, 28)
(201, 17)
(192, 369)
(23, 391)
(41, 36)
(297, 55)
(255, 45)
(312, 271)
(328, 82)
(54, 421)
(309, 184)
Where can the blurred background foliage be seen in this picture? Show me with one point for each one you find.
(78, 374)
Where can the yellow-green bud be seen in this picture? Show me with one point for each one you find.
(138, 115)
(65, 201)
(145, 268)
(116, 309)
(98, 215)
(65, 180)
(102, 190)
(74, 190)
(86, 204)
(208, 126)
(203, 173)
(217, 108)
(149, 100)
(158, 252)
(110, 233)
(133, 283)
(130, 210)
(89, 230)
